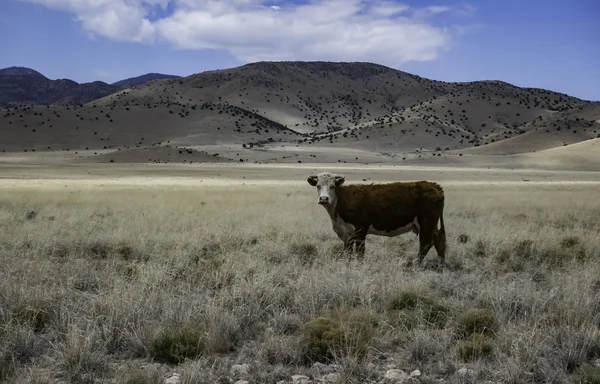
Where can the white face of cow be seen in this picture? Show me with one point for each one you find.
(326, 184)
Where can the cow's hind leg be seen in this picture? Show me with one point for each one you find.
(426, 239)
(439, 242)
(439, 239)
(424, 247)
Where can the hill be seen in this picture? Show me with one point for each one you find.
(267, 106)
(472, 115)
(550, 131)
(25, 86)
(135, 81)
(305, 96)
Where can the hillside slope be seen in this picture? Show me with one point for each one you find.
(135, 81)
(71, 128)
(556, 129)
(305, 96)
(359, 106)
(472, 115)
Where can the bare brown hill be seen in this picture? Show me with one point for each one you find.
(474, 115)
(305, 96)
(71, 128)
(551, 130)
(363, 106)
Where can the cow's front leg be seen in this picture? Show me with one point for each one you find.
(359, 239)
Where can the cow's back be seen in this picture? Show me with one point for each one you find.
(388, 205)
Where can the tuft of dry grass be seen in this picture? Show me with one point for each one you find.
(126, 285)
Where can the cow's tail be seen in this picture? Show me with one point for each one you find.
(442, 229)
(440, 238)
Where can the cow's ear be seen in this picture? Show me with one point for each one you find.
(339, 180)
(312, 180)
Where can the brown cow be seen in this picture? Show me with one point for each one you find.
(383, 210)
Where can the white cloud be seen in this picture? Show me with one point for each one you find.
(382, 31)
(387, 8)
(123, 20)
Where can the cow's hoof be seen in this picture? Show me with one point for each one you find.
(434, 266)
(409, 264)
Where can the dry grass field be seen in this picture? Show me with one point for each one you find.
(129, 283)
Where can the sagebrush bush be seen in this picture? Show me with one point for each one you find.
(339, 333)
(37, 313)
(463, 238)
(480, 249)
(409, 299)
(476, 321)
(421, 304)
(175, 344)
(305, 252)
(569, 241)
(475, 346)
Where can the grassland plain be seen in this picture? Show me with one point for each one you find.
(126, 284)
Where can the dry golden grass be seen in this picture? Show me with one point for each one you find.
(118, 284)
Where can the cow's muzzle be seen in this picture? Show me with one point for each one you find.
(323, 200)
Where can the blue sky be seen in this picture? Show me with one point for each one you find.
(552, 44)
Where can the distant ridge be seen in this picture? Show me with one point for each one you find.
(20, 71)
(21, 85)
(135, 81)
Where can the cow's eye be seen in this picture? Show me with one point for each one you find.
(331, 187)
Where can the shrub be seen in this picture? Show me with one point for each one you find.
(174, 344)
(98, 250)
(430, 310)
(513, 259)
(569, 242)
(524, 249)
(569, 250)
(338, 333)
(480, 249)
(476, 321)
(128, 271)
(305, 252)
(124, 251)
(408, 299)
(463, 238)
(37, 314)
(475, 346)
